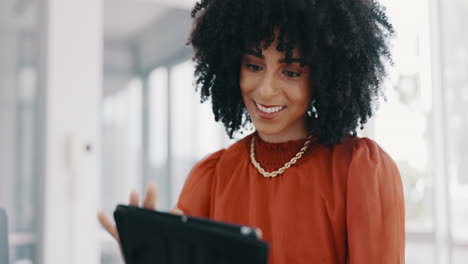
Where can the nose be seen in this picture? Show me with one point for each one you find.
(268, 86)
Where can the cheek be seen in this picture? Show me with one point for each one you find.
(246, 83)
(301, 95)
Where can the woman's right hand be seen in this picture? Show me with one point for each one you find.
(149, 202)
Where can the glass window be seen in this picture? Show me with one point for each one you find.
(210, 136)
(121, 139)
(402, 124)
(455, 50)
(183, 125)
(121, 154)
(419, 253)
(18, 121)
(26, 214)
(23, 254)
(194, 133)
(158, 136)
(460, 255)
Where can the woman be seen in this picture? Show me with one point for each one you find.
(306, 74)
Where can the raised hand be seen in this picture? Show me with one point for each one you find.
(149, 202)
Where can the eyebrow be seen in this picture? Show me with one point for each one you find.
(285, 60)
(257, 54)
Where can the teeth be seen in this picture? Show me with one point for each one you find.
(270, 109)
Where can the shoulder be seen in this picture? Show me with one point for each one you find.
(367, 151)
(365, 164)
(353, 143)
(373, 174)
(360, 148)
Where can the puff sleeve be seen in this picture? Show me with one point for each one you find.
(196, 196)
(375, 211)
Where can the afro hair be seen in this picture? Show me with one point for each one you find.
(345, 43)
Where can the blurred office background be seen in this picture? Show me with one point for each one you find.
(96, 99)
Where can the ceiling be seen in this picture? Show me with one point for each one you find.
(124, 19)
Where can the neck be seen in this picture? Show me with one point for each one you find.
(297, 130)
(274, 139)
(283, 137)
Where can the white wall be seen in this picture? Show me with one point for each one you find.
(71, 89)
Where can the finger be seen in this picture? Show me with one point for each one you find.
(107, 224)
(259, 233)
(151, 196)
(176, 210)
(134, 199)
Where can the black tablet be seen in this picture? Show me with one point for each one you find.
(153, 237)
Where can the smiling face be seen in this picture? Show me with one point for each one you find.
(276, 92)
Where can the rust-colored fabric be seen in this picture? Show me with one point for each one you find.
(339, 204)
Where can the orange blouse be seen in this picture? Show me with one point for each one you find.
(339, 204)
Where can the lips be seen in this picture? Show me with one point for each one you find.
(268, 106)
(268, 112)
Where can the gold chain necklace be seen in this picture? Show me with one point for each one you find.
(286, 166)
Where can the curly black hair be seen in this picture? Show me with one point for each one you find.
(345, 42)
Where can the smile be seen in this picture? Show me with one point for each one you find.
(269, 110)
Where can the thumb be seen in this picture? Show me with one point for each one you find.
(176, 210)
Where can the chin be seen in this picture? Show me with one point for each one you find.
(269, 130)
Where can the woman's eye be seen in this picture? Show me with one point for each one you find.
(254, 67)
(292, 74)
